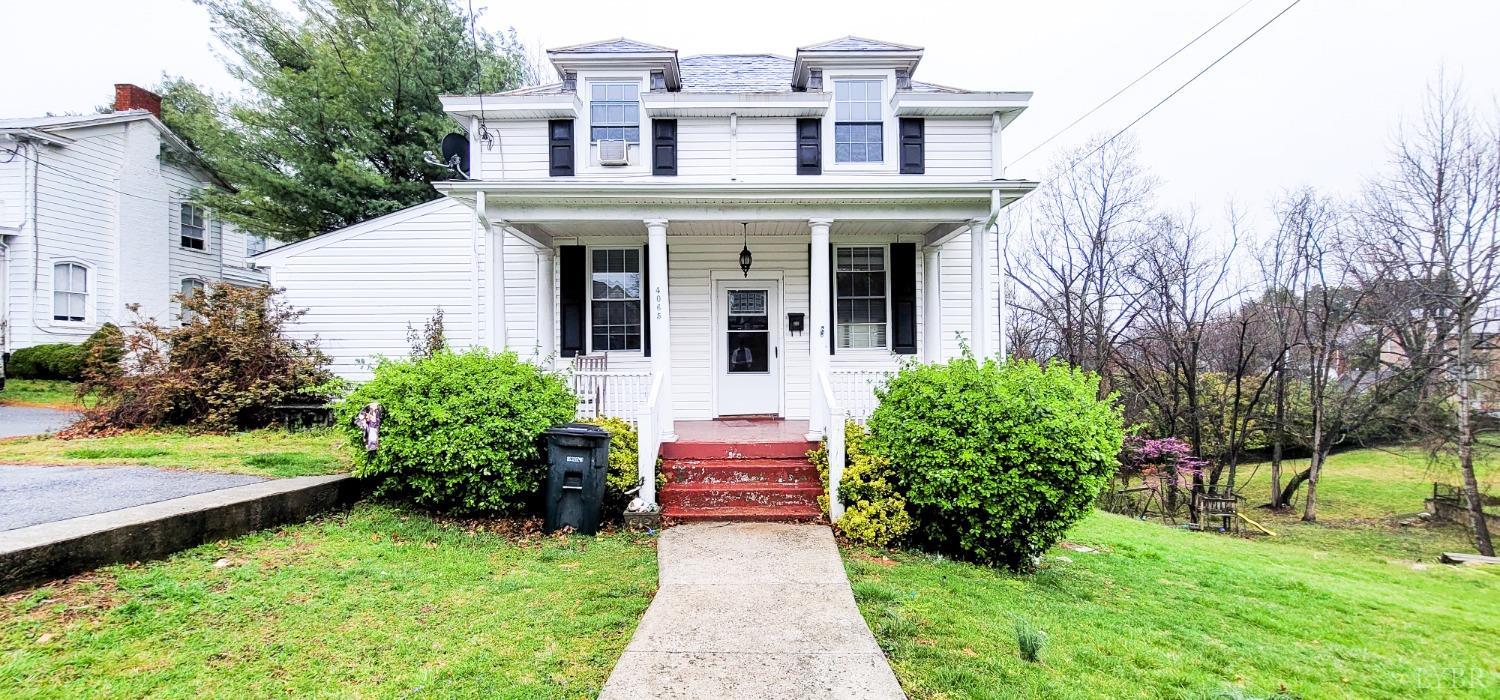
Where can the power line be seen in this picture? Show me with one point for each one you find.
(1170, 95)
(1133, 83)
(82, 179)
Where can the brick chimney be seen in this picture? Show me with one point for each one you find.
(129, 96)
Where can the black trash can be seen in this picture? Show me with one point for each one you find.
(578, 460)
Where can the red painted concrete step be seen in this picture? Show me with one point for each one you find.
(749, 514)
(705, 496)
(736, 450)
(733, 471)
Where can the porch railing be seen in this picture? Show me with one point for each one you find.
(855, 390)
(833, 432)
(648, 427)
(610, 393)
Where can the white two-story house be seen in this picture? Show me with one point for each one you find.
(699, 238)
(95, 214)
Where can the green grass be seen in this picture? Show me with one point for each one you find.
(1353, 606)
(48, 393)
(272, 453)
(1362, 499)
(376, 603)
(1165, 613)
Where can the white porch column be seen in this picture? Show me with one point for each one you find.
(820, 324)
(932, 304)
(979, 290)
(546, 320)
(661, 322)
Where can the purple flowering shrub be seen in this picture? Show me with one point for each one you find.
(1162, 462)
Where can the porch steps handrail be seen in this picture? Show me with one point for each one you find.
(833, 433)
(649, 439)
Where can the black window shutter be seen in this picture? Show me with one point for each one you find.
(913, 146)
(646, 299)
(809, 146)
(573, 296)
(904, 298)
(833, 299)
(663, 147)
(560, 147)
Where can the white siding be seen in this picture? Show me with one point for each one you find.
(768, 148)
(76, 220)
(362, 291)
(958, 148)
(703, 147)
(517, 150)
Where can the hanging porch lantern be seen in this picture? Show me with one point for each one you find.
(745, 257)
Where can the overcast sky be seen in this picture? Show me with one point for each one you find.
(1313, 100)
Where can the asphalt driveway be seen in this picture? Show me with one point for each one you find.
(31, 420)
(34, 495)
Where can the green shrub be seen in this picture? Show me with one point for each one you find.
(461, 430)
(995, 460)
(48, 361)
(874, 514)
(624, 472)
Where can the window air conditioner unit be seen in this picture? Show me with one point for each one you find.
(614, 152)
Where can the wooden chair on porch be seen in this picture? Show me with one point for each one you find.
(589, 383)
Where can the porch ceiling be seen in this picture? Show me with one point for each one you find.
(759, 228)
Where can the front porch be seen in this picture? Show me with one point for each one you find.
(671, 307)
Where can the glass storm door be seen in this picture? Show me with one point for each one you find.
(748, 348)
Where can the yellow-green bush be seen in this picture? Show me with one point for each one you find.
(874, 514)
(624, 446)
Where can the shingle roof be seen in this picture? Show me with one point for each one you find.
(717, 73)
(736, 73)
(70, 120)
(855, 43)
(616, 45)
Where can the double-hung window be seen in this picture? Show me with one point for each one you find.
(615, 112)
(70, 292)
(860, 285)
(615, 299)
(858, 131)
(191, 227)
(190, 287)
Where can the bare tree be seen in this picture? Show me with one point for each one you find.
(1083, 228)
(1431, 228)
(1281, 276)
(1182, 289)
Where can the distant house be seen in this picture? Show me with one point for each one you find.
(95, 214)
(696, 238)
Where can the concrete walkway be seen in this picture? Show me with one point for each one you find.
(32, 420)
(751, 610)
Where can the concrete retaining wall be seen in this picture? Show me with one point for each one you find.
(51, 550)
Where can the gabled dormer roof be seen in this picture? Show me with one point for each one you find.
(857, 43)
(616, 53)
(615, 45)
(856, 52)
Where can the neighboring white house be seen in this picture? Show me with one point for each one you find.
(606, 216)
(95, 215)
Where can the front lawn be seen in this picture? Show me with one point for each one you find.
(273, 453)
(1164, 613)
(44, 393)
(378, 602)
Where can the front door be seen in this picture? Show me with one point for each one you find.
(748, 347)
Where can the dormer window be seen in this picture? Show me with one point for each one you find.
(615, 112)
(858, 134)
